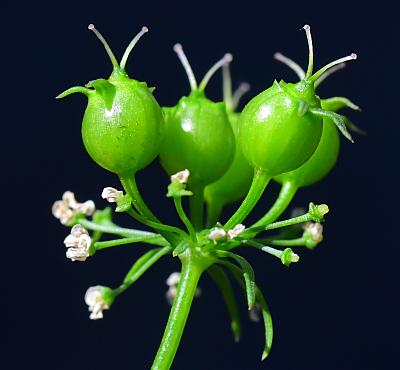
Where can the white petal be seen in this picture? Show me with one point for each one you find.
(78, 230)
(70, 241)
(77, 254)
(96, 315)
(111, 194)
(58, 208)
(67, 216)
(86, 208)
(173, 279)
(217, 234)
(236, 231)
(181, 176)
(315, 229)
(93, 294)
(69, 199)
(84, 242)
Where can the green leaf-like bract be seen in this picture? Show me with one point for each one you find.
(268, 324)
(225, 287)
(248, 274)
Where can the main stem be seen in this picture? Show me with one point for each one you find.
(188, 281)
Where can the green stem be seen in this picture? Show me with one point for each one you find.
(299, 242)
(285, 196)
(260, 181)
(184, 218)
(156, 225)
(116, 230)
(189, 278)
(291, 221)
(214, 210)
(155, 240)
(196, 204)
(128, 181)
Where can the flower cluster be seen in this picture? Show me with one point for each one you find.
(66, 208)
(95, 298)
(111, 195)
(78, 243)
(313, 234)
(218, 233)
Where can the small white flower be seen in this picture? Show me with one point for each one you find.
(86, 208)
(181, 176)
(315, 229)
(236, 231)
(254, 313)
(69, 199)
(172, 282)
(94, 299)
(111, 194)
(78, 243)
(294, 257)
(68, 207)
(173, 279)
(61, 211)
(217, 234)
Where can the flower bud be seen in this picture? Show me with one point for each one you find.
(236, 231)
(181, 176)
(98, 298)
(67, 208)
(78, 243)
(217, 234)
(111, 194)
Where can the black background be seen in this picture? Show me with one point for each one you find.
(335, 310)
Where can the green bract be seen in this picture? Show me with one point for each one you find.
(123, 122)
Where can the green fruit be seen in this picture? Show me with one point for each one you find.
(198, 137)
(280, 128)
(122, 125)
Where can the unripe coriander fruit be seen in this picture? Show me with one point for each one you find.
(280, 128)
(325, 156)
(198, 135)
(123, 123)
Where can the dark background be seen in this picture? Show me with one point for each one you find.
(335, 310)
